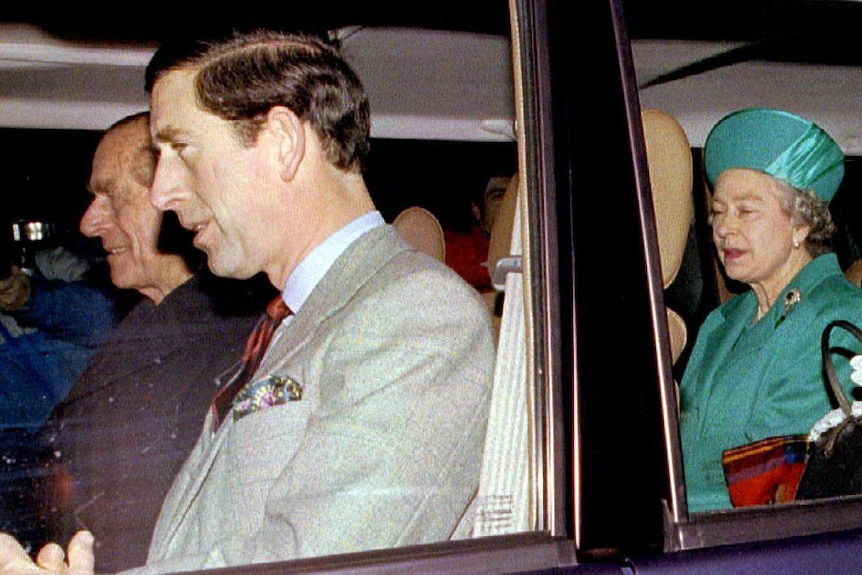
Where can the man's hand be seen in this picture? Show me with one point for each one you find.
(13, 558)
(51, 559)
(81, 559)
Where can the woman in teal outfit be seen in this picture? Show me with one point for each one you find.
(756, 370)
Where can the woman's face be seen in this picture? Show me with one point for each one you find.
(753, 234)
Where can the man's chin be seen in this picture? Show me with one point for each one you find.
(224, 270)
(121, 281)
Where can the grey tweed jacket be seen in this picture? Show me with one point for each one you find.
(394, 356)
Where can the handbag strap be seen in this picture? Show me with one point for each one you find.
(829, 368)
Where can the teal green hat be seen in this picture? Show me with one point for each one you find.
(778, 143)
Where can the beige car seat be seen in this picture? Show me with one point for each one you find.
(854, 273)
(499, 246)
(422, 230)
(670, 171)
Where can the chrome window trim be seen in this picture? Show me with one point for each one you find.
(540, 248)
(496, 555)
(763, 523)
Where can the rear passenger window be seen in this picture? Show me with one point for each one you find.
(699, 76)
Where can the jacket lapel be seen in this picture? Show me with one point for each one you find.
(347, 276)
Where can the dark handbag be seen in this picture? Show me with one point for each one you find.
(834, 466)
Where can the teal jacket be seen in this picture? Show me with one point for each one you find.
(747, 381)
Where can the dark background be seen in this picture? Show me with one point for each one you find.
(45, 174)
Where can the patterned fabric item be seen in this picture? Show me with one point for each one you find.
(766, 471)
(264, 393)
(255, 349)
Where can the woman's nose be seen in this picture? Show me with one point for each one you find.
(723, 225)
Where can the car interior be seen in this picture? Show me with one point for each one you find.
(443, 83)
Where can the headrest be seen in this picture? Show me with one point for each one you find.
(777, 143)
(670, 172)
(678, 334)
(854, 273)
(500, 240)
(421, 229)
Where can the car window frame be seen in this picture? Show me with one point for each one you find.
(550, 545)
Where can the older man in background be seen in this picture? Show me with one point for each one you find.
(132, 416)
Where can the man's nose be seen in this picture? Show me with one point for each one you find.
(95, 219)
(167, 188)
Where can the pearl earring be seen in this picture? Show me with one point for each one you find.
(795, 243)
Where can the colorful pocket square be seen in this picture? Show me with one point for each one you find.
(264, 393)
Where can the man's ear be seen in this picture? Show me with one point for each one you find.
(289, 134)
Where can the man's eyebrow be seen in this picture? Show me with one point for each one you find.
(101, 187)
(166, 135)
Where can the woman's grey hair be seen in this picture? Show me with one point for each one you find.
(806, 209)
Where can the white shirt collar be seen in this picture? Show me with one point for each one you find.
(314, 266)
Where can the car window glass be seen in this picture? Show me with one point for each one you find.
(462, 166)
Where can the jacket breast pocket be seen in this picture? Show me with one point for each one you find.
(262, 443)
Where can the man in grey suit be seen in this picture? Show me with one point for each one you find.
(363, 426)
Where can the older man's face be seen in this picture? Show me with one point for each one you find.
(120, 212)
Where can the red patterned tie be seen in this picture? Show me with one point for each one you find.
(255, 348)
